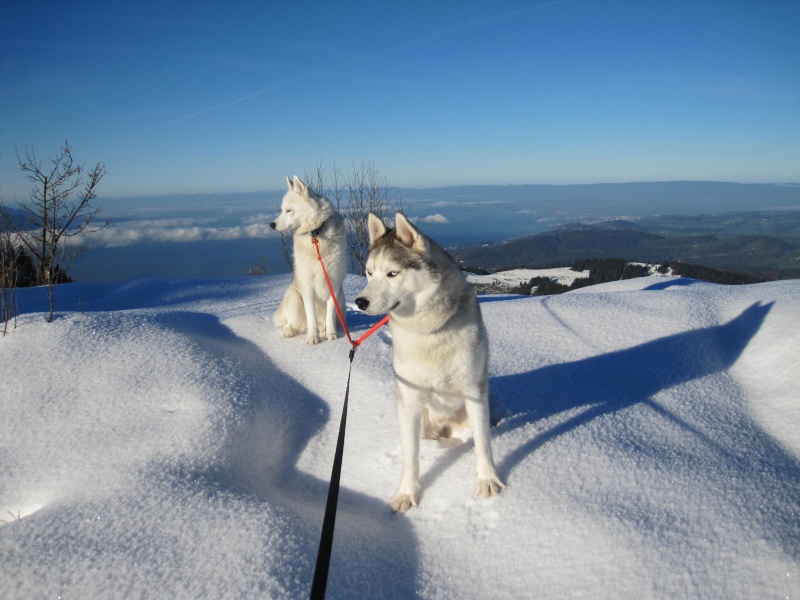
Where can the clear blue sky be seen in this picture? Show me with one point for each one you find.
(179, 97)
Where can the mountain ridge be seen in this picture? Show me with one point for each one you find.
(757, 254)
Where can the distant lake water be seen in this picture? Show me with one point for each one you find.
(222, 235)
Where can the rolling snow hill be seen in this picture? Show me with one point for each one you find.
(161, 440)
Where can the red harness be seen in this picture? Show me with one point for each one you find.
(372, 330)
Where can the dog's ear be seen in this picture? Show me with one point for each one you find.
(408, 234)
(376, 227)
(288, 183)
(299, 187)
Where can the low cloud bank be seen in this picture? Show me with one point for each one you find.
(128, 233)
(177, 230)
(436, 219)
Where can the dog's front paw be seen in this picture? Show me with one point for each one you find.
(402, 502)
(331, 335)
(312, 339)
(486, 488)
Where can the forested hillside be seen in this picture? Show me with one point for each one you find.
(763, 256)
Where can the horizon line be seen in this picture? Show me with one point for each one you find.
(122, 196)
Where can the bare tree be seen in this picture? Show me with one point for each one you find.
(329, 184)
(367, 191)
(356, 194)
(8, 271)
(262, 267)
(59, 210)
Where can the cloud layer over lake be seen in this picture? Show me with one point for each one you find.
(174, 230)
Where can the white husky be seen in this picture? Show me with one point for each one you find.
(307, 301)
(440, 348)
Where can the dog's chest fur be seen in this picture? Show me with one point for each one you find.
(453, 358)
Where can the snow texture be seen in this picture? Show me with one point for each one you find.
(562, 275)
(160, 439)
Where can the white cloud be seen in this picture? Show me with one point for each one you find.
(439, 203)
(259, 219)
(437, 219)
(174, 230)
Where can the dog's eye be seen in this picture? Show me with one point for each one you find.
(288, 210)
(369, 273)
(392, 274)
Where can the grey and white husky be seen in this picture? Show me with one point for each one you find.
(307, 302)
(440, 348)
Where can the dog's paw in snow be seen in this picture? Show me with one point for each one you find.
(486, 488)
(312, 339)
(402, 502)
(331, 335)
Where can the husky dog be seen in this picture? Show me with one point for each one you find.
(307, 301)
(440, 348)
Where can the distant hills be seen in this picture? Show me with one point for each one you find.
(636, 198)
(764, 243)
(753, 228)
(491, 213)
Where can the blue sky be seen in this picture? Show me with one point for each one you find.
(181, 97)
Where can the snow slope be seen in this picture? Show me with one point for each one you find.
(161, 440)
(562, 275)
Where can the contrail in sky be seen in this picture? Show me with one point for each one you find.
(245, 98)
(423, 38)
(479, 22)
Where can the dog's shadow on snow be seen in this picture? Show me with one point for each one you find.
(592, 388)
(374, 553)
(611, 382)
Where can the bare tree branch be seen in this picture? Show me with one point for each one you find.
(59, 208)
(356, 193)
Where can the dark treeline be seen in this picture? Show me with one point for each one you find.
(709, 274)
(20, 269)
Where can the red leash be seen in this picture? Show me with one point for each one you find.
(373, 329)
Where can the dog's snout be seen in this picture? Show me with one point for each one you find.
(272, 224)
(362, 303)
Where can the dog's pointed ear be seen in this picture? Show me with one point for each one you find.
(288, 183)
(300, 187)
(376, 227)
(408, 234)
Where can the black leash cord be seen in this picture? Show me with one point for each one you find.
(326, 538)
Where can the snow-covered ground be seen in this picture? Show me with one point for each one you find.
(161, 440)
(514, 277)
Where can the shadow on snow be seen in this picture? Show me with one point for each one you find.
(762, 478)
(738, 449)
(374, 553)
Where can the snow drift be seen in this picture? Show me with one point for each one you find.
(161, 439)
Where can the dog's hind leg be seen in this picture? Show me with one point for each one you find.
(290, 315)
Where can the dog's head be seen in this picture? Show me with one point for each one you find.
(401, 274)
(302, 209)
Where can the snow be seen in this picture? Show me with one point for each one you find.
(513, 277)
(160, 439)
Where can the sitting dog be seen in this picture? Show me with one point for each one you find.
(440, 347)
(308, 302)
